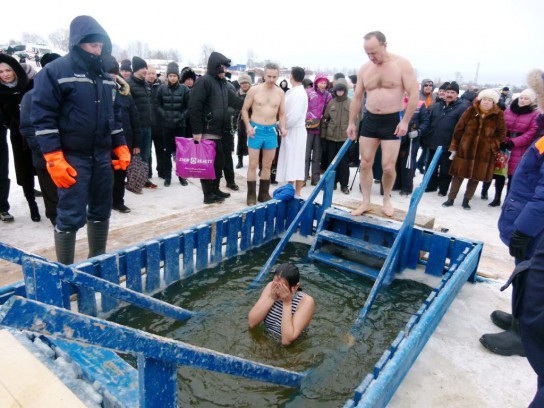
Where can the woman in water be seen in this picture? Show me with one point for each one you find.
(284, 308)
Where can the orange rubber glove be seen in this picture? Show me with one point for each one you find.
(123, 154)
(61, 172)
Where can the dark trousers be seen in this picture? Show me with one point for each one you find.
(119, 177)
(156, 136)
(168, 149)
(4, 170)
(405, 174)
(342, 170)
(90, 198)
(531, 322)
(24, 169)
(49, 192)
(228, 147)
(208, 186)
(440, 178)
(422, 161)
(499, 185)
(313, 156)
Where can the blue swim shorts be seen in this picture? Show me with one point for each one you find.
(265, 137)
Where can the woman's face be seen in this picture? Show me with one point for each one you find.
(282, 281)
(7, 75)
(486, 104)
(524, 101)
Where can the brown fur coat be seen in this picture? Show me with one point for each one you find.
(476, 140)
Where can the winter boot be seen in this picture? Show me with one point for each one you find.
(264, 195)
(496, 202)
(502, 319)
(448, 203)
(209, 196)
(218, 192)
(65, 246)
(251, 193)
(97, 236)
(507, 343)
(465, 204)
(240, 162)
(34, 211)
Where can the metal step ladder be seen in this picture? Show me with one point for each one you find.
(355, 244)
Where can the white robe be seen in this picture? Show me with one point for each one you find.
(293, 146)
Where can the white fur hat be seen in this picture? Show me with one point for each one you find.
(489, 93)
(529, 93)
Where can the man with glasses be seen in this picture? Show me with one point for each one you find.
(385, 79)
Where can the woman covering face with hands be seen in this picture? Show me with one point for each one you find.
(284, 308)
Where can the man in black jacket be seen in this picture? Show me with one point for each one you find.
(444, 115)
(210, 117)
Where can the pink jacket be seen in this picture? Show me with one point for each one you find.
(317, 102)
(524, 123)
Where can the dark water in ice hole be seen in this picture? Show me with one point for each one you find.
(221, 293)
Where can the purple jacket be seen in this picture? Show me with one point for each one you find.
(317, 102)
(522, 121)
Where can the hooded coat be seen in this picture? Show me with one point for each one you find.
(210, 100)
(75, 108)
(476, 140)
(317, 101)
(428, 100)
(335, 121)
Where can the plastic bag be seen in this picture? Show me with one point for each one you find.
(195, 160)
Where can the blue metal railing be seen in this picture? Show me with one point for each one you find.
(326, 181)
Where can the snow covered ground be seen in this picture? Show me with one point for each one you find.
(453, 370)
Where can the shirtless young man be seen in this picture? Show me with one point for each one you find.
(384, 78)
(267, 104)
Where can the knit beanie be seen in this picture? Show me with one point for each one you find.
(126, 65)
(48, 57)
(444, 86)
(110, 64)
(529, 93)
(172, 68)
(244, 78)
(489, 93)
(138, 63)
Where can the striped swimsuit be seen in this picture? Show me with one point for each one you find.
(272, 321)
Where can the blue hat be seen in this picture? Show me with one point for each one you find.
(284, 193)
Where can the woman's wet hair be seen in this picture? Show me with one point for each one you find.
(289, 272)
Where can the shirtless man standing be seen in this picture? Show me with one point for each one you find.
(385, 79)
(267, 104)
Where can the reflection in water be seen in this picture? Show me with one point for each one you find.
(336, 362)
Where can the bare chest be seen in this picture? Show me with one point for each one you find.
(267, 99)
(388, 76)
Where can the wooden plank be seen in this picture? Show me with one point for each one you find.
(86, 297)
(258, 226)
(134, 266)
(203, 236)
(172, 251)
(232, 235)
(158, 383)
(188, 253)
(357, 245)
(28, 382)
(110, 273)
(247, 225)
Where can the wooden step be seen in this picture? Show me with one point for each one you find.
(364, 220)
(345, 264)
(354, 244)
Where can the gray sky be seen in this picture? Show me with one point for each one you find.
(440, 38)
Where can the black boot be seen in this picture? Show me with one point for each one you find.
(448, 203)
(507, 343)
(264, 195)
(502, 319)
(97, 236)
(209, 196)
(34, 211)
(465, 204)
(495, 203)
(218, 192)
(240, 162)
(251, 193)
(65, 246)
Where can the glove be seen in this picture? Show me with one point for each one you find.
(61, 172)
(518, 244)
(413, 134)
(509, 145)
(123, 154)
(502, 146)
(452, 155)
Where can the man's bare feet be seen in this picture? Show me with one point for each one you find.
(388, 208)
(361, 209)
